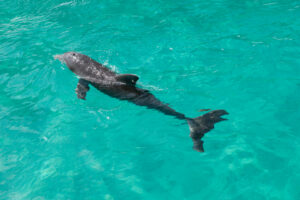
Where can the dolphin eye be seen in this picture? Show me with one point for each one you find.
(73, 54)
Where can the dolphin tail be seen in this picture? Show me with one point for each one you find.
(201, 125)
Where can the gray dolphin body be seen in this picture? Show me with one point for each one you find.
(123, 87)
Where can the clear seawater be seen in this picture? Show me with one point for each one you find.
(241, 56)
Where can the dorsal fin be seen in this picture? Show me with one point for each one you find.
(129, 79)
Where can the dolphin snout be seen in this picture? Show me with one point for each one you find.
(60, 58)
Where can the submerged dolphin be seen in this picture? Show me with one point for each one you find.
(122, 86)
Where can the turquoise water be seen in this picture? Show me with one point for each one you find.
(242, 56)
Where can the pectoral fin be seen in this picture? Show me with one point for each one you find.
(82, 88)
(129, 79)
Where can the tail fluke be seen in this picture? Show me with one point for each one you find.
(201, 125)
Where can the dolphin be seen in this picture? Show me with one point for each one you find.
(123, 87)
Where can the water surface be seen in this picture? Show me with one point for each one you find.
(242, 56)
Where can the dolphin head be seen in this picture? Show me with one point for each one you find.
(76, 62)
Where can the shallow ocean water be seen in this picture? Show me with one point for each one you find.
(241, 56)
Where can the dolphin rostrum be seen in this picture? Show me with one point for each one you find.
(123, 87)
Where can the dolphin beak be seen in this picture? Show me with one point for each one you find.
(60, 58)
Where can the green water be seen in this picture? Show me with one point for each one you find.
(241, 56)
